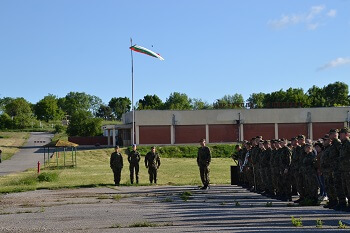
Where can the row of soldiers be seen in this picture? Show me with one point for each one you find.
(279, 169)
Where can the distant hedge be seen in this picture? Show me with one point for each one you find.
(190, 151)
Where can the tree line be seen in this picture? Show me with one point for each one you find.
(86, 112)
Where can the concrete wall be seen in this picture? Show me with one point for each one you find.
(229, 116)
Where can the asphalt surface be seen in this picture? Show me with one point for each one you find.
(28, 156)
(223, 208)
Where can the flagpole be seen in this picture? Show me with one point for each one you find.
(132, 95)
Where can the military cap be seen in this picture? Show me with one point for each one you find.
(116, 147)
(319, 144)
(308, 145)
(267, 141)
(153, 147)
(301, 136)
(283, 139)
(252, 139)
(277, 140)
(333, 131)
(293, 138)
(258, 137)
(261, 141)
(326, 137)
(344, 130)
(133, 145)
(245, 141)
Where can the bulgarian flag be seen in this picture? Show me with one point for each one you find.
(143, 50)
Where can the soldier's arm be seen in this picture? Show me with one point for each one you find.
(158, 160)
(209, 155)
(198, 157)
(121, 160)
(146, 160)
(138, 157)
(129, 157)
(111, 161)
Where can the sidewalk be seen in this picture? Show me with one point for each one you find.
(28, 156)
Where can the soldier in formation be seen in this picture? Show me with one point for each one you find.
(152, 162)
(134, 159)
(116, 164)
(277, 167)
(203, 162)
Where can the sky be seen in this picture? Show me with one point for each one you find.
(211, 48)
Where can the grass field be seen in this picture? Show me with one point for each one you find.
(10, 142)
(93, 170)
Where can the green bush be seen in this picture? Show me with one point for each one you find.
(189, 151)
(59, 128)
(48, 177)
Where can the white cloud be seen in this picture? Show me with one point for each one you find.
(334, 63)
(309, 19)
(332, 13)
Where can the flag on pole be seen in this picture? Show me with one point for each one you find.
(143, 50)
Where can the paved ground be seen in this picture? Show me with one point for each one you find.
(28, 156)
(220, 209)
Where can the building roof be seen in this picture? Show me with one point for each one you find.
(60, 143)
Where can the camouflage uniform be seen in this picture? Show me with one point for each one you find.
(134, 159)
(309, 168)
(274, 161)
(299, 177)
(152, 162)
(253, 159)
(345, 166)
(334, 164)
(116, 164)
(203, 161)
(266, 170)
(285, 160)
(325, 162)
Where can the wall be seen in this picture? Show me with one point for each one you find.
(320, 129)
(189, 133)
(267, 131)
(223, 133)
(292, 130)
(102, 140)
(155, 134)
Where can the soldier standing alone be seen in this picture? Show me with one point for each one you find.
(116, 163)
(152, 162)
(134, 159)
(203, 161)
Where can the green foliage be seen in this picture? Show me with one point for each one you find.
(5, 121)
(21, 112)
(119, 106)
(185, 195)
(83, 124)
(47, 109)
(168, 199)
(199, 104)
(268, 204)
(59, 128)
(177, 101)
(336, 94)
(189, 151)
(237, 204)
(117, 197)
(297, 222)
(104, 112)
(75, 101)
(256, 100)
(143, 224)
(229, 101)
(48, 177)
(319, 223)
(341, 225)
(150, 102)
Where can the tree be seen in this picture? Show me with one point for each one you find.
(316, 97)
(3, 102)
(199, 104)
(119, 106)
(256, 100)
(21, 112)
(75, 101)
(296, 96)
(230, 101)
(336, 94)
(5, 121)
(150, 102)
(104, 112)
(95, 103)
(82, 123)
(177, 101)
(47, 109)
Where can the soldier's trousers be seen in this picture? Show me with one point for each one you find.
(311, 186)
(286, 185)
(117, 174)
(346, 183)
(275, 179)
(204, 173)
(299, 179)
(152, 171)
(267, 180)
(329, 185)
(134, 168)
(339, 189)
